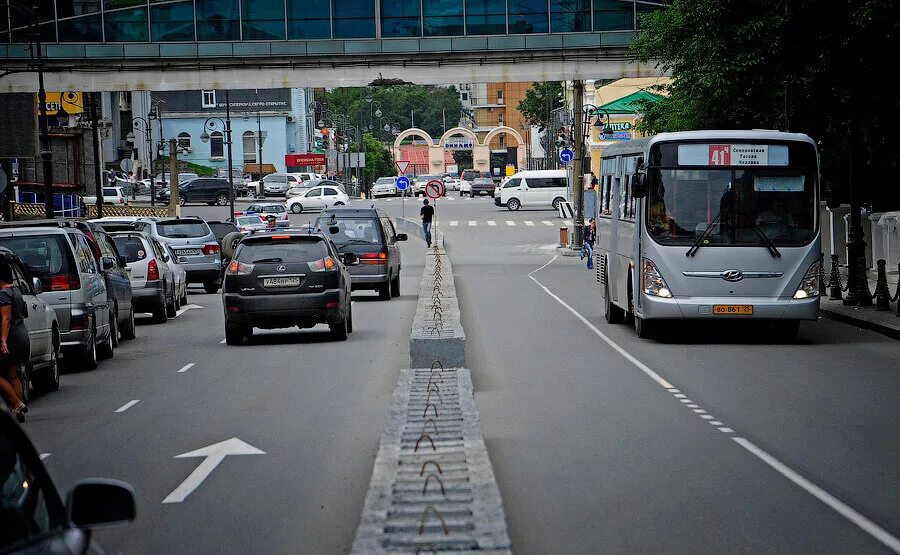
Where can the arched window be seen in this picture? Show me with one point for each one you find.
(184, 140)
(216, 145)
(249, 147)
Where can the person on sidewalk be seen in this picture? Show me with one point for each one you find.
(15, 346)
(427, 213)
(590, 236)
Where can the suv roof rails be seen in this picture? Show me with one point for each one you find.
(38, 223)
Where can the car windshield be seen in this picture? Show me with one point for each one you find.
(270, 209)
(352, 230)
(44, 256)
(385, 181)
(132, 248)
(183, 229)
(295, 250)
(424, 178)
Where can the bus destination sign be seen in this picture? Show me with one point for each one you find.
(732, 155)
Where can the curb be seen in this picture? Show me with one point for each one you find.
(860, 323)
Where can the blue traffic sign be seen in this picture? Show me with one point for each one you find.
(402, 182)
(566, 155)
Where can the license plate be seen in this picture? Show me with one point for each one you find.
(281, 282)
(742, 309)
(189, 252)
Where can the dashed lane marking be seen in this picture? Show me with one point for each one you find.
(529, 222)
(837, 505)
(454, 223)
(492, 223)
(567, 222)
(187, 367)
(128, 405)
(472, 223)
(510, 223)
(547, 223)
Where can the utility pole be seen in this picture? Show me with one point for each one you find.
(577, 122)
(260, 139)
(95, 143)
(174, 201)
(46, 153)
(230, 161)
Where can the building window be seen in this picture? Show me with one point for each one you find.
(465, 97)
(500, 96)
(129, 25)
(249, 138)
(570, 16)
(499, 119)
(216, 145)
(443, 17)
(184, 140)
(209, 99)
(353, 19)
(485, 17)
(528, 16)
(263, 20)
(309, 19)
(613, 15)
(172, 22)
(218, 20)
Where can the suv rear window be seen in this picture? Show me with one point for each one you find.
(132, 248)
(221, 229)
(43, 256)
(359, 230)
(297, 249)
(182, 229)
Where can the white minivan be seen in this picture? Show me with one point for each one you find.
(533, 188)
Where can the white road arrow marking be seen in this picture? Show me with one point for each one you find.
(185, 308)
(214, 454)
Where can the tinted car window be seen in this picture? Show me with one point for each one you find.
(44, 257)
(132, 248)
(182, 229)
(277, 251)
(22, 499)
(330, 192)
(221, 229)
(385, 181)
(110, 192)
(353, 230)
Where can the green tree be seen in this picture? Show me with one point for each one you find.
(539, 100)
(379, 159)
(745, 64)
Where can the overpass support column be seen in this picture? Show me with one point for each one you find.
(577, 186)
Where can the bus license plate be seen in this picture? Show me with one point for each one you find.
(743, 309)
(282, 282)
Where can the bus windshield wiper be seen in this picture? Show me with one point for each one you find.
(696, 245)
(767, 242)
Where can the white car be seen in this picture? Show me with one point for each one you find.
(247, 224)
(452, 183)
(384, 187)
(465, 188)
(317, 198)
(111, 195)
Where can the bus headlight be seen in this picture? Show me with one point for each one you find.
(652, 283)
(809, 285)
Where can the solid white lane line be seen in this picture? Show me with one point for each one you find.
(547, 223)
(492, 222)
(841, 508)
(187, 367)
(529, 222)
(128, 405)
(454, 223)
(510, 223)
(45, 455)
(472, 223)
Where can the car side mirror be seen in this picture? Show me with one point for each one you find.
(108, 263)
(402, 237)
(100, 501)
(639, 185)
(334, 230)
(36, 285)
(350, 259)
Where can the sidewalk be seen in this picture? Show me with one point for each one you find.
(883, 322)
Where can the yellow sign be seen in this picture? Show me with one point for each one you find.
(510, 170)
(70, 102)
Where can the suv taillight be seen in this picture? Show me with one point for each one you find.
(239, 269)
(212, 248)
(152, 271)
(376, 258)
(65, 282)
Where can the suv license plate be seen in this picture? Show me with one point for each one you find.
(293, 281)
(743, 309)
(189, 252)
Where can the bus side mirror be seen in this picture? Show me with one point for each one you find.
(639, 185)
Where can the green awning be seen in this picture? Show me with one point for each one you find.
(629, 104)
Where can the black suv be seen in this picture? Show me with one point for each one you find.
(370, 234)
(281, 280)
(211, 190)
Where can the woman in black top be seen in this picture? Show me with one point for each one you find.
(15, 347)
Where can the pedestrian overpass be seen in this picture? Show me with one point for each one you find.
(233, 44)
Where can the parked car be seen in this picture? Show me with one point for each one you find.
(33, 518)
(303, 176)
(249, 223)
(273, 185)
(263, 209)
(211, 190)
(111, 195)
(192, 239)
(284, 280)
(42, 370)
(60, 256)
(162, 179)
(115, 223)
(452, 183)
(152, 279)
(220, 229)
(317, 198)
(533, 188)
(418, 185)
(180, 275)
(481, 186)
(384, 187)
(118, 284)
(370, 234)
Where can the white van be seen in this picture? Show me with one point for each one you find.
(533, 188)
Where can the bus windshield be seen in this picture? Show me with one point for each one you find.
(737, 206)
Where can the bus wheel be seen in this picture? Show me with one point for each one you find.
(612, 312)
(644, 329)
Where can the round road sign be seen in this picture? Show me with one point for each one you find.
(434, 189)
(402, 182)
(127, 164)
(566, 155)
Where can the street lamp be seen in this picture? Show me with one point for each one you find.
(210, 125)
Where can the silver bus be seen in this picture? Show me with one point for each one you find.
(709, 225)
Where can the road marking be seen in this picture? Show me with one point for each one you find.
(510, 222)
(185, 308)
(529, 222)
(472, 223)
(213, 455)
(223, 341)
(679, 395)
(492, 223)
(128, 405)
(547, 223)
(454, 223)
(187, 367)
(45, 455)
(567, 222)
(838, 506)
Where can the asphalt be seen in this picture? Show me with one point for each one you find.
(590, 452)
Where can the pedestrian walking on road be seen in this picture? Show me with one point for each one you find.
(590, 236)
(15, 347)
(427, 213)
